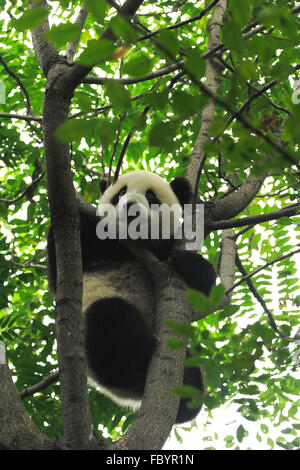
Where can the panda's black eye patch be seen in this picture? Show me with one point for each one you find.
(151, 197)
(115, 199)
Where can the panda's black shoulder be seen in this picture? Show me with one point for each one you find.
(95, 250)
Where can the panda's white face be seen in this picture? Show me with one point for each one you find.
(145, 201)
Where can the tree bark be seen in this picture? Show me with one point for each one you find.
(17, 431)
(208, 113)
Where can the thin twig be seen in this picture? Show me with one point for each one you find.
(122, 117)
(126, 143)
(132, 130)
(19, 82)
(19, 116)
(29, 263)
(53, 377)
(107, 107)
(26, 191)
(257, 296)
(182, 23)
(248, 276)
(241, 232)
(131, 81)
(287, 211)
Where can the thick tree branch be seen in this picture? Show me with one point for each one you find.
(45, 51)
(211, 79)
(69, 321)
(61, 82)
(17, 430)
(227, 263)
(65, 225)
(78, 72)
(236, 201)
(166, 367)
(255, 219)
(72, 47)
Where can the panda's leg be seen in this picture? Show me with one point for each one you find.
(118, 345)
(197, 272)
(193, 377)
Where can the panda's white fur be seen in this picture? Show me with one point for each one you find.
(137, 183)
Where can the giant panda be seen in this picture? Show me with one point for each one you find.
(118, 295)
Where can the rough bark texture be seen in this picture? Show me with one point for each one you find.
(227, 263)
(231, 205)
(165, 372)
(69, 322)
(211, 82)
(17, 431)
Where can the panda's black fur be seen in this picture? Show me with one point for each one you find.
(118, 297)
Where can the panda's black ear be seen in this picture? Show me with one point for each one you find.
(183, 190)
(103, 185)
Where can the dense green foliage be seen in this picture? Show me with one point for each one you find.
(245, 361)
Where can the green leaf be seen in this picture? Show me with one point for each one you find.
(177, 435)
(106, 130)
(84, 101)
(270, 442)
(184, 330)
(216, 295)
(169, 43)
(31, 19)
(273, 15)
(248, 70)
(185, 391)
(137, 66)
(175, 343)
(264, 428)
(241, 433)
(62, 34)
(123, 29)
(195, 64)
(232, 35)
(162, 135)
(128, 421)
(198, 300)
(74, 129)
(157, 99)
(97, 8)
(184, 103)
(119, 96)
(230, 310)
(97, 52)
(241, 11)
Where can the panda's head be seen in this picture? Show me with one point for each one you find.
(144, 203)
